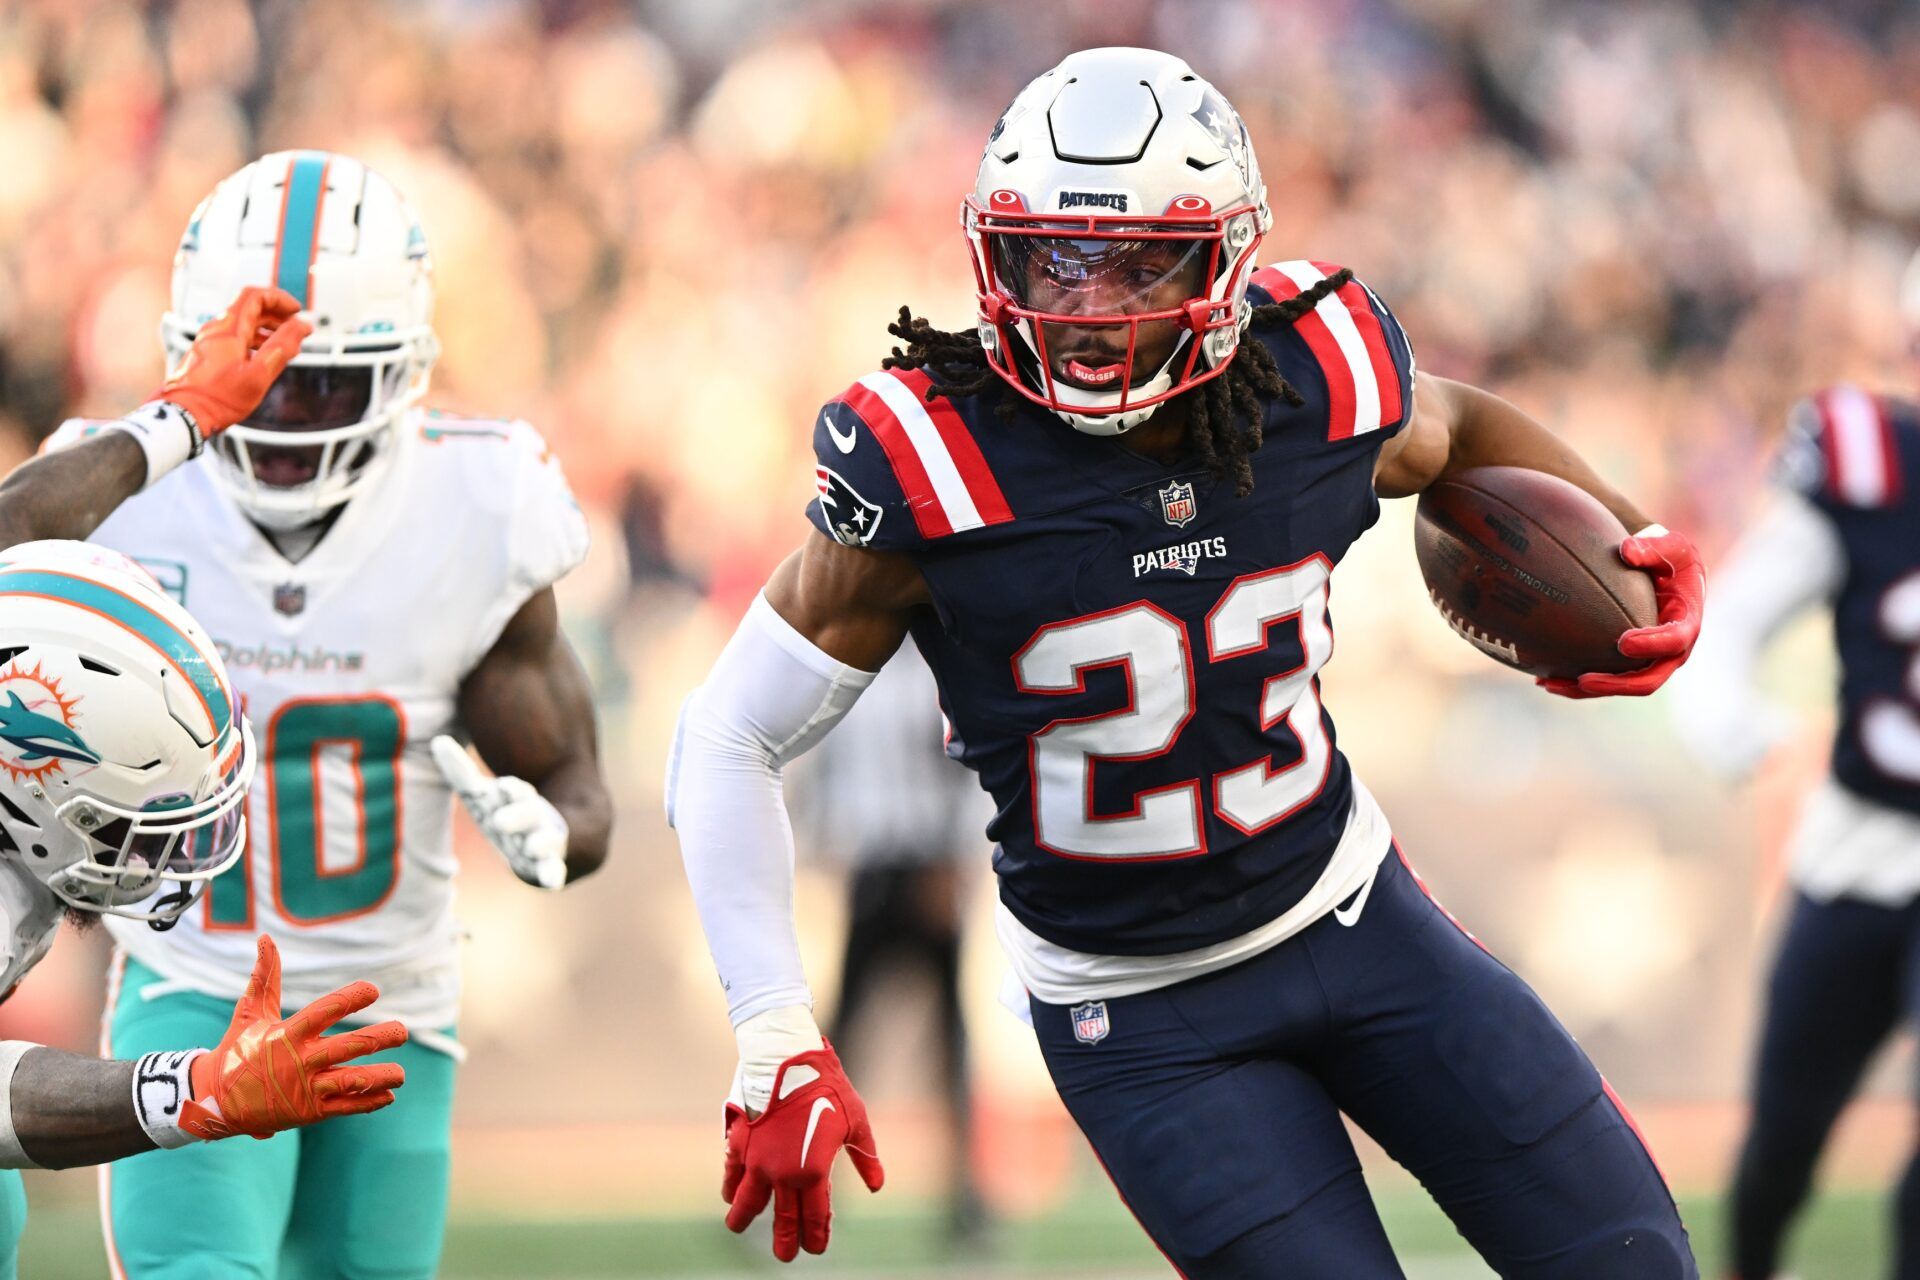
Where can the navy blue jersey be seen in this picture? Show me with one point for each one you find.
(1857, 458)
(1126, 651)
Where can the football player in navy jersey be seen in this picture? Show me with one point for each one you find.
(1841, 529)
(1109, 516)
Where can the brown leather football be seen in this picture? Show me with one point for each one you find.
(1526, 567)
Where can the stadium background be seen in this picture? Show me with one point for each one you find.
(665, 232)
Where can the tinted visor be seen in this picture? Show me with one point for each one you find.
(1092, 277)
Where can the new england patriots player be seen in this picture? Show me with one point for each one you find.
(381, 579)
(1109, 517)
(1841, 529)
(124, 765)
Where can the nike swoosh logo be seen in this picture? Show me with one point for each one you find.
(844, 442)
(1350, 913)
(820, 1107)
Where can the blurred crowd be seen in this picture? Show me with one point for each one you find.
(665, 231)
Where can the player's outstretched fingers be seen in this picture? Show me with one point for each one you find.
(786, 1224)
(362, 1079)
(356, 1104)
(312, 1021)
(261, 998)
(816, 1214)
(1668, 640)
(865, 1157)
(457, 767)
(331, 1051)
(281, 346)
(749, 1199)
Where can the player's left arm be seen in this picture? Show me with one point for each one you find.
(529, 710)
(1456, 427)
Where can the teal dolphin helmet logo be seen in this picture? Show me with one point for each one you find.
(39, 741)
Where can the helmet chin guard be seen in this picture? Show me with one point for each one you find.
(1114, 166)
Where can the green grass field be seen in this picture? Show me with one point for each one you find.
(1841, 1239)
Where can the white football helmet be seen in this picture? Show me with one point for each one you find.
(339, 237)
(1119, 173)
(124, 757)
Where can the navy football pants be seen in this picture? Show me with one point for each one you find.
(1215, 1106)
(1847, 973)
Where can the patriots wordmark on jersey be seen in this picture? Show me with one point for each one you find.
(1127, 651)
(1856, 457)
(348, 663)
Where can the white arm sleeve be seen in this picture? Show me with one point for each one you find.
(771, 695)
(1790, 560)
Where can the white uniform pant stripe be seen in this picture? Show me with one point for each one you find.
(948, 486)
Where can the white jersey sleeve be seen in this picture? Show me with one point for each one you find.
(1790, 560)
(547, 532)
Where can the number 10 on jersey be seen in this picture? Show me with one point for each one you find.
(363, 735)
(1153, 650)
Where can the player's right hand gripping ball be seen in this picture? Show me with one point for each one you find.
(235, 358)
(270, 1074)
(786, 1152)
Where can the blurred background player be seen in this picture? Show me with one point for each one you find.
(880, 797)
(384, 577)
(1109, 517)
(1841, 530)
(125, 759)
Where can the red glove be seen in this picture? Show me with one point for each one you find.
(786, 1152)
(269, 1074)
(1680, 587)
(236, 357)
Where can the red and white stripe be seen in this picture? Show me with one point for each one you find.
(1863, 465)
(948, 485)
(1345, 336)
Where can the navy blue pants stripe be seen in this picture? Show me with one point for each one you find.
(1216, 1107)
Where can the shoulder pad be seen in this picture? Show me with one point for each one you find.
(1359, 348)
(882, 447)
(1841, 448)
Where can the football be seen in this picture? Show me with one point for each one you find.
(1526, 567)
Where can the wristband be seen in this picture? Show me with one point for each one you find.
(167, 434)
(162, 1082)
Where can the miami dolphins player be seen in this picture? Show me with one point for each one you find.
(1108, 516)
(124, 767)
(379, 579)
(1841, 530)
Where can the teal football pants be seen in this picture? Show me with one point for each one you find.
(13, 1221)
(351, 1198)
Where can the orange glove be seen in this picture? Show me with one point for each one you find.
(270, 1074)
(235, 358)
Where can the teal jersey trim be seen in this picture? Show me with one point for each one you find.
(300, 226)
(169, 640)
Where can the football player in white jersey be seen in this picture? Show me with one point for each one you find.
(124, 766)
(379, 579)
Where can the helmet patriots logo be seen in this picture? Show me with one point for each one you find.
(36, 731)
(852, 518)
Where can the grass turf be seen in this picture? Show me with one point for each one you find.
(1842, 1237)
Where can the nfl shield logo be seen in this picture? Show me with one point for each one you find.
(1090, 1022)
(1177, 505)
(289, 598)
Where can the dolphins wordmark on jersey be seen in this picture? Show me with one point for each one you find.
(1127, 652)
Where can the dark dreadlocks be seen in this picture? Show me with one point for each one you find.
(1224, 412)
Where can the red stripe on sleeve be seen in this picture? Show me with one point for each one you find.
(1828, 448)
(1374, 335)
(928, 515)
(1341, 401)
(988, 500)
